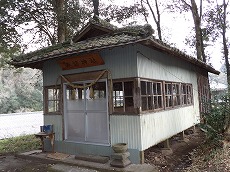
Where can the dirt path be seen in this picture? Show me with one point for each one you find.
(166, 162)
(179, 158)
(10, 163)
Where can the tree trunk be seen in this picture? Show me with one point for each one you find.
(227, 120)
(156, 17)
(61, 29)
(95, 8)
(199, 38)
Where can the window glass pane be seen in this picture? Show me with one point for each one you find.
(185, 99)
(143, 88)
(168, 101)
(53, 106)
(155, 91)
(118, 101)
(176, 94)
(74, 93)
(159, 92)
(156, 106)
(183, 89)
(150, 103)
(117, 86)
(50, 94)
(149, 88)
(99, 90)
(175, 101)
(160, 105)
(168, 89)
(178, 100)
(144, 103)
(128, 86)
(129, 107)
(118, 97)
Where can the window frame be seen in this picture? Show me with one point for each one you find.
(175, 96)
(171, 91)
(185, 95)
(150, 94)
(56, 99)
(124, 109)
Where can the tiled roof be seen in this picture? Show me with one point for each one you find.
(119, 37)
(70, 48)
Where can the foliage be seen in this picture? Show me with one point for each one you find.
(121, 13)
(43, 19)
(20, 90)
(216, 118)
(156, 14)
(19, 144)
(38, 18)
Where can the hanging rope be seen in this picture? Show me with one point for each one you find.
(89, 85)
(86, 86)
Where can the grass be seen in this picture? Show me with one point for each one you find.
(19, 144)
(22, 144)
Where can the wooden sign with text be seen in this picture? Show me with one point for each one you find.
(82, 61)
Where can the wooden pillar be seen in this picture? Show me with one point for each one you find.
(194, 129)
(182, 136)
(142, 157)
(166, 144)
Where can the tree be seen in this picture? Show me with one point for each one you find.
(156, 15)
(216, 28)
(20, 89)
(95, 8)
(191, 6)
(223, 18)
(50, 21)
(61, 20)
(120, 14)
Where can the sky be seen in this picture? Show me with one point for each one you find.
(175, 30)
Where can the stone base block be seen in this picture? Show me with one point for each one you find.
(120, 156)
(120, 163)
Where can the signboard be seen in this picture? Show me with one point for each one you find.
(82, 61)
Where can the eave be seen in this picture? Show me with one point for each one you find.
(157, 44)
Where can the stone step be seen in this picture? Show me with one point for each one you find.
(93, 158)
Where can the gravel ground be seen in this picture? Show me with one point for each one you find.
(66, 168)
(10, 163)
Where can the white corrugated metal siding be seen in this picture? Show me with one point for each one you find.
(157, 127)
(155, 65)
(126, 129)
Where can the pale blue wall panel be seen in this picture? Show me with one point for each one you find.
(121, 61)
(56, 121)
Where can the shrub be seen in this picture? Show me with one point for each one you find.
(215, 119)
(19, 144)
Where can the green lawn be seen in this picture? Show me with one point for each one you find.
(19, 144)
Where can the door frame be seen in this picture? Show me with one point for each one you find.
(65, 124)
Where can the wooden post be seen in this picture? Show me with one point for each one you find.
(166, 144)
(182, 136)
(142, 157)
(194, 129)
